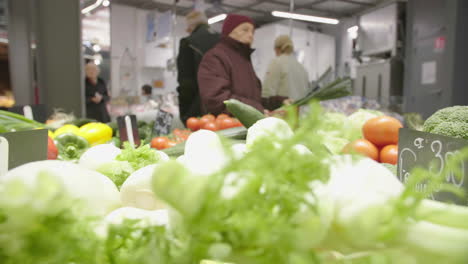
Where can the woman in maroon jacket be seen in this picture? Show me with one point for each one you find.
(226, 70)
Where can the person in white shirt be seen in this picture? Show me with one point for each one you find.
(286, 79)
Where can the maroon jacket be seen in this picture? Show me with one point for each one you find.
(226, 72)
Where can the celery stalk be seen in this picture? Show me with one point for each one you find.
(438, 240)
(449, 215)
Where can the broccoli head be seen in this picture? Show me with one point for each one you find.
(450, 121)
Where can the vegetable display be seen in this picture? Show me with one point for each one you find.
(339, 88)
(52, 151)
(246, 114)
(211, 122)
(280, 197)
(380, 141)
(145, 130)
(382, 130)
(70, 146)
(137, 192)
(224, 125)
(96, 133)
(94, 191)
(11, 122)
(450, 121)
(72, 129)
(339, 130)
(414, 121)
(364, 147)
(119, 164)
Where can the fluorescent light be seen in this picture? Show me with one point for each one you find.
(305, 17)
(106, 3)
(96, 48)
(353, 29)
(217, 18)
(92, 7)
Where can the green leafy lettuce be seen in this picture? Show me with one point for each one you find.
(128, 161)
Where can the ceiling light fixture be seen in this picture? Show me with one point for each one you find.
(217, 19)
(91, 7)
(308, 18)
(106, 3)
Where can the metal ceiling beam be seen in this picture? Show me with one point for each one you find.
(256, 3)
(250, 7)
(300, 6)
(377, 5)
(323, 12)
(311, 4)
(154, 5)
(357, 3)
(236, 8)
(279, 3)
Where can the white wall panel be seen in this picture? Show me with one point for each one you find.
(315, 51)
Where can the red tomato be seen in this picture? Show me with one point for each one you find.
(210, 117)
(237, 123)
(184, 137)
(227, 123)
(177, 131)
(389, 154)
(363, 147)
(382, 130)
(218, 121)
(193, 123)
(186, 133)
(204, 120)
(159, 142)
(210, 126)
(222, 116)
(180, 135)
(52, 151)
(171, 144)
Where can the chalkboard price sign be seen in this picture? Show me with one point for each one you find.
(430, 151)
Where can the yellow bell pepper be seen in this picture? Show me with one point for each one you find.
(96, 133)
(67, 129)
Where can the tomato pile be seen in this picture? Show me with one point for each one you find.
(210, 122)
(380, 141)
(177, 136)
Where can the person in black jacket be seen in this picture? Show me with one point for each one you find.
(191, 50)
(96, 95)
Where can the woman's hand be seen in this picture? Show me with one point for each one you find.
(97, 98)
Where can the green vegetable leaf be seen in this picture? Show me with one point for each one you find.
(117, 171)
(42, 225)
(257, 209)
(139, 157)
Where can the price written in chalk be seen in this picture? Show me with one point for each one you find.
(430, 151)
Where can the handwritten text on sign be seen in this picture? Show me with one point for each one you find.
(430, 151)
